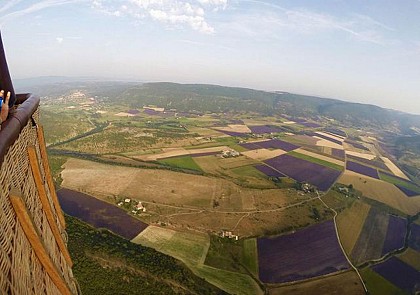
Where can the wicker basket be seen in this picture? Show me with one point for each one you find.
(22, 269)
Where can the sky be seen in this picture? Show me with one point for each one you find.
(355, 50)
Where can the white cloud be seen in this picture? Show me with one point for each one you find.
(172, 13)
(59, 40)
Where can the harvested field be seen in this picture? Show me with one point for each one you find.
(394, 168)
(395, 235)
(237, 128)
(371, 239)
(160, 186)
(328, 136)
(346, 283)
(99, 213)
(176, 152)
(320, 157)
(263, 154)
(400, 274)
(327, 143)
(381, 191)
(304, 171)
(307, 253)
(350, 224)
(410, 189)
(361, 169)
(367, 156)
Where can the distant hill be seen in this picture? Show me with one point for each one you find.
(213, 98)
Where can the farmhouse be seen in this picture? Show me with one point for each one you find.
(127, 200)
(230, 154)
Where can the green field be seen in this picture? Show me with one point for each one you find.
(184, 162)
(397, 181)
(250, 256)
(316, 161)
(248, 171)
(192, 249)
(377, 285)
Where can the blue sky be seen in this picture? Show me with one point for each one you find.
(356, 50)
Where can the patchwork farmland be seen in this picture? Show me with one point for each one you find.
(206, 178)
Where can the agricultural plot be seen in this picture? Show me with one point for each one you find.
(378, 285)
(310, 124)
(270, 144)
(305, 171)
(395, 235)
(99, 214)
(191, 248)
(409, 188)
(347, 283)
(336, 132)
(411, 257)
(327, 143)
(370, 243)
(414, 240)
(372, 163)
(270, 172)
(329, 136)
(394, 168)
(181, 162)
(367, 156)
(317, 159)
(381, 191)
(263, 154)
(400, 274)
(262, 129)
(307, 253)
(340, 154)
(361, 169)
(350, 224)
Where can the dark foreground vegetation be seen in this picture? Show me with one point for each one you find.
(105, 263)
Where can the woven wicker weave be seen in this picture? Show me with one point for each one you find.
(21, 272)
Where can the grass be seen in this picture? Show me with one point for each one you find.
(186, 162)
(250, 256)
(316, 161)
(191, 248)
(56, 163)
(397, 181)
(248, 171)
(377, 285)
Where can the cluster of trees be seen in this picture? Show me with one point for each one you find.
(105, 263)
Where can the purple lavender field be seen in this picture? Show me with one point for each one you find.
(395, 234)
(414, 241)
(399, 273)
(265, 129)
(304, 171)
(338, 153)
(99, 214)
(270, 172)
(406, 191)
(232, 133)
(307, 253)
(359, 168)
(336, 131)
(277, 144)
(376, 164)
(270, 144)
